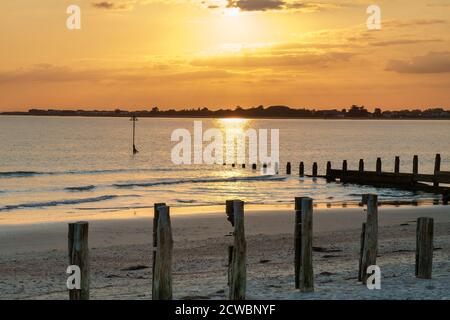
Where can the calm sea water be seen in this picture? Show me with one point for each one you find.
(85, 164)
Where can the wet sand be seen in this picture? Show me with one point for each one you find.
(33, 256)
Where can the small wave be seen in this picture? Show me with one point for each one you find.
(18, 174)
(185, 201)
(25, 174)
(199, 180)
(59, 203)
(80, 189)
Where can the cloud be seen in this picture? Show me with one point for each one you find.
(256, 5)
(276, 5)
(121, 5)
(403, 42)
(433, 62)
(412, 22)
(269, 61)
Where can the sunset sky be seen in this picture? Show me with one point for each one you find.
(136, 54)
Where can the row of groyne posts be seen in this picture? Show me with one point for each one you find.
(237, 252)
(409, 181)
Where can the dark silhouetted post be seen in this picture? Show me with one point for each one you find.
(79, 256)
(378, 165)
(314, 169)
(238, 278)
(162, 286)
(397, 165)
(243, 166)
(155, 236)
(437, 168)
(371, 236)
(361, 165)
(424, 248)
(301, 169)
(254, 166)
(361, 251)
(416, 165)
(306, 263)
(344, 165)
(230, 260)
(288, 168)
(298, 240)
(328, 172)
(134, 119)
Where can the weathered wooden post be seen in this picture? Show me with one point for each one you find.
(397, 165)
(243, 166)
(416, 164)
(162, 285)
(306, 263)
(155, 236)
(288, 168)
(361, 251)
(344, 166)
(254, 166)
(424, 248)
(238, 277)
(230, 261)
(301, 169)
(79, 256)
(229, 209)
(361, 165)
(378, 165)
(298, 240)
(371, 236)
(437, 168)
(328, 172)
(314, 169)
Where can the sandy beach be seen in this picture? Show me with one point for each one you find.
(33, 256)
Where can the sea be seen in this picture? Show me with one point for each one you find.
(67, 165)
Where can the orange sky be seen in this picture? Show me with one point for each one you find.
(137, 54)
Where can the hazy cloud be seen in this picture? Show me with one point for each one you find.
(433, 62)
(267, 5)
(403, 42)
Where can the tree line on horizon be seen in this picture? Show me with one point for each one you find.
(253, 112)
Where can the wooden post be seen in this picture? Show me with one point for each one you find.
(238, 278)
(378, 165)
(361, 251)
(230, 264)
(424, 248)
(288, 168)
(416, 165)
(437, 168)
(162, 286)
(254, 166)
(361, 165)
(243, 166)
(297, 240)
(328, 174)
(306, 263)
(229, 209)
(79, 256)
(344, 165)
(397, 165)
(301, 169)
(155, 237)
(314, 169)
(371, 236)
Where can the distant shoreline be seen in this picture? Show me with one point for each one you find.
(212, 117)
(261, 112)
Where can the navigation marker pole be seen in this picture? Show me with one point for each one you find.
(134, 119)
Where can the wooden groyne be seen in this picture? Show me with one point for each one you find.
(303, 273)
(396, 179)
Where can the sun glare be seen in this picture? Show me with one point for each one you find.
(231, 12)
